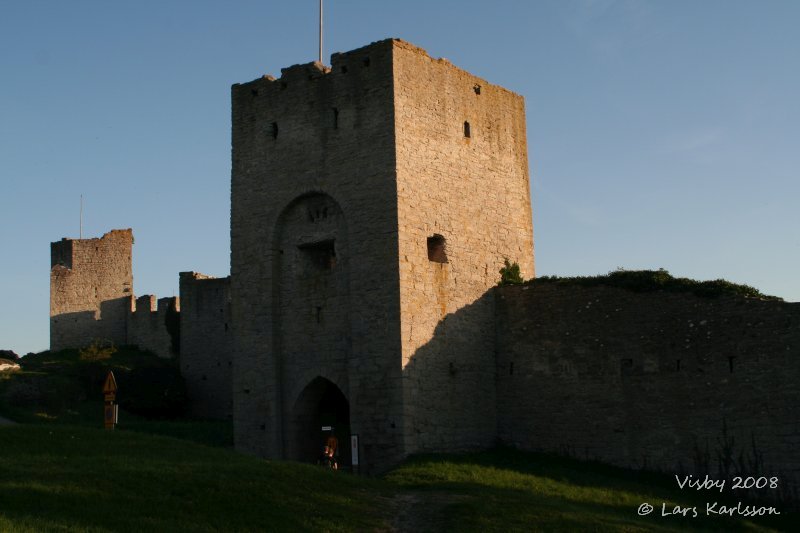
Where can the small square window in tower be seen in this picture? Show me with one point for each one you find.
(437, 250)
(320, 255)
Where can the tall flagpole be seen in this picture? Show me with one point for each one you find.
(320, 31)
(80, 229)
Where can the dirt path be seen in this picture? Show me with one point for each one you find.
(419, 511)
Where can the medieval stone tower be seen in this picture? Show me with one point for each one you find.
(373, 203)
(91, 285)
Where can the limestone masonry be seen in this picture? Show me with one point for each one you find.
(373, 203)
(346, 182)
(91, 289)
(659, 381)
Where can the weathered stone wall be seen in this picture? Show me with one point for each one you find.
(205, 344)
(462, 178)
(91, 289)
(650, 380)
(316, 141)
(153, 325)
(91, 297)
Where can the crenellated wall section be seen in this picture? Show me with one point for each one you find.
(154, 325)
(91, 299)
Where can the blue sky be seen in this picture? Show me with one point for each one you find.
(661, 134)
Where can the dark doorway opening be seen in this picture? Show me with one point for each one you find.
(321, 404)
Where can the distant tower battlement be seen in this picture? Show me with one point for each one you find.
(91, 298)
(91, 286)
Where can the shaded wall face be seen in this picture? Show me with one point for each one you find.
(328, 133)
(206, 358)
(91, 285)
(312, 320)
(154, 325)
(650, 380)
(471, 193)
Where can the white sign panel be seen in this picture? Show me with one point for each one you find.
(354, 448)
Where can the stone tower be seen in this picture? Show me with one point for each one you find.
(91, 284)
(372, 205)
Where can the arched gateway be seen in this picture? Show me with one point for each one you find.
(311, 322)
(320, 405)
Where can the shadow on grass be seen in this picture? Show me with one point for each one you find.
(500, 509)
(555, 493)
(74, 479)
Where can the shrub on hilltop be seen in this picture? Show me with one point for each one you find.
(8, 354)
(657, 280)
(54, 384)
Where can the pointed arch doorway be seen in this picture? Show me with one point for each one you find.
(320, 404)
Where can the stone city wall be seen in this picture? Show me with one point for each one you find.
(154, 325)
(91, 298)
(666, 381)
(205, 344)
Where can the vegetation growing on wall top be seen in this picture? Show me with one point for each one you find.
(657, 280)
(510, 275)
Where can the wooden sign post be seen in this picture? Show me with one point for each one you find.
(110, 392)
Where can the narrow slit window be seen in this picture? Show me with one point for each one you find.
(274, 130)
(437, 249)
(626, 367)
(467, 132)
(335, 118)
(477, 89)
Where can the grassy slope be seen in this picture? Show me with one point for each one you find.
(507, 490)
(78, 479)
(66, 478)
(60, 472)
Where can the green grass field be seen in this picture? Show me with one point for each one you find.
(59, 471)
(66, 478)
(56, 477)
